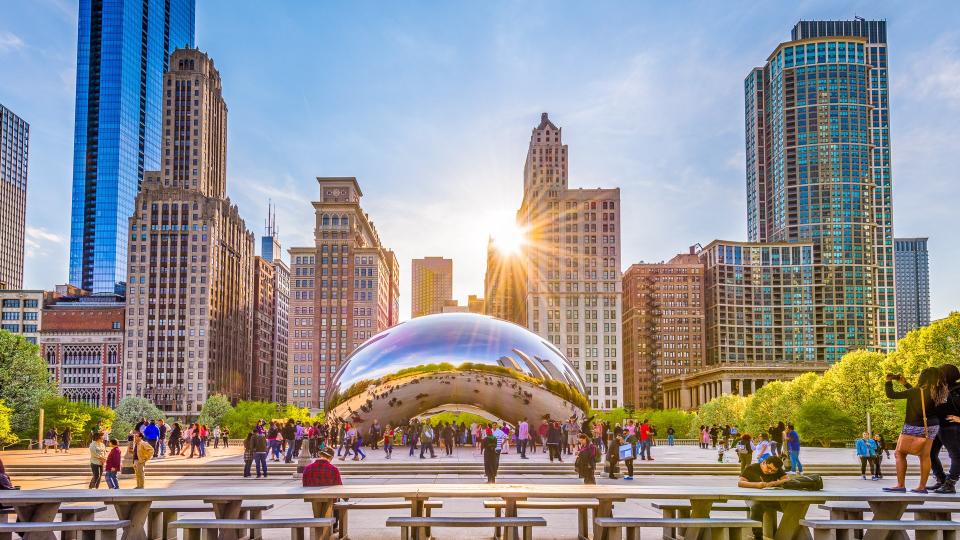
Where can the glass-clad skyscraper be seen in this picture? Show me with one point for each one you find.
(913, 284)
(818, 172)
(122, 54)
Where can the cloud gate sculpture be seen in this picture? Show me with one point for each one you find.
(456, 359)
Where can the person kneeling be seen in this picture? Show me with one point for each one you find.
(767, 473)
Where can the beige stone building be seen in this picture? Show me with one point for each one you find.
(572, 266)
(663, 325)
(504, 285)
(190, 273)
(344, 289)
(432, 280)
(14, 152)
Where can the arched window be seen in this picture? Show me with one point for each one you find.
(336, 221)
(325, 220)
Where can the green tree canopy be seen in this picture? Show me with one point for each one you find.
(930, 346)
(213, 410)
(24, 381)
(131, 410)
(723, 410)
(61, 413)
(824, 423)
(7, 436)
(245, 415)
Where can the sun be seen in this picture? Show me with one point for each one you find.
(509, 239)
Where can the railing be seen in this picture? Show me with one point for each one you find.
(17, 442)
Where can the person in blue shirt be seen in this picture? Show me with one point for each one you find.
(151, 434)
(867, 452)
(793, 448)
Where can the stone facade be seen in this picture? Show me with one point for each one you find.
(432, 285)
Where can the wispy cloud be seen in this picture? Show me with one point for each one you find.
(40, 242)
(10, 42)
(937, 76)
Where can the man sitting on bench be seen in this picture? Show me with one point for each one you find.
(321, 472)
(767, 473)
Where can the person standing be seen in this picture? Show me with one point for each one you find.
(523, 438)
(65, 439)
(260, 453)
(670, 434)
(298, 439)
(573, 435)
(586, 462)
(98, 456)
(176, 437)
(50, 440)
(448, 435)
(490, 447)
(112, 466)
(646, 440)
(948, 412)
(426, 440)
(388, 441)
(151, 434)
(289, 433)
(216, 436)
(920, 425)
(867, 452)
(881, 450)
(142, 453)
(248, 453)
(542, 431)
(555, 441)
(162, 439)
(273, 436)
(225, 433)
(745, 451)
(793, 450)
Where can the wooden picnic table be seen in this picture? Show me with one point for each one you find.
(134, 504)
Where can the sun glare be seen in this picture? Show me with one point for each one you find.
(509, 239)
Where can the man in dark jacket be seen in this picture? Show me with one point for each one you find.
(289, 433)
(586, 463)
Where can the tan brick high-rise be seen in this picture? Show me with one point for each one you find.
(432, 280)
(343, 290)
(190, 273)
(14, 151)
(663, 329)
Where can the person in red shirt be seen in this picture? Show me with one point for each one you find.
(646, 441)
(113, 465)
(321, 472)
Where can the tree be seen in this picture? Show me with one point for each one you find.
(723, 410)
(6, 433)
(768, 406)
(855, 384)
(61, 413)
(823, 422)
(131, 410)
(931, 346)
(245, 415)
(24, 381)
(214, 410)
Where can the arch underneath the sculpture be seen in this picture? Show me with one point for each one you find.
(460, 408)
(398, 400)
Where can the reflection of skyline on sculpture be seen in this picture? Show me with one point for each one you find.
(456, 338)
(456, 358)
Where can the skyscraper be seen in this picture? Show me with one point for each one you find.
(818, 171)
(122, 53)
(504, 284)
(190, 286)
(432, 279)
(874, 34)
(663, 325)
(572, 258)
(270, 251)
(14, 153)
(344, 289)
(913, 284)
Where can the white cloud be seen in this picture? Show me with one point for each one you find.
(10, 42)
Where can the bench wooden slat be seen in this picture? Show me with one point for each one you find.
(55, 526)
(382, 505)
(721, 507)
(447, 521)
(857, 507)
(79, 508)
(892, 525)
(544, 505)
(203, 507)
(698, 523)
(272, 523)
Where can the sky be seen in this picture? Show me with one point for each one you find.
(430, 106)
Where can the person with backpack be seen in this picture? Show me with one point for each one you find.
(426, 440)
(586, 461)
(766, 474)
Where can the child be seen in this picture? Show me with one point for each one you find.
(113, 465)
(388, 441)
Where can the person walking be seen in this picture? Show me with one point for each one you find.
(448, 435)
(704, 437)
(356, 444)
(613, 457)
(65, 439)
(793, 450)
(646, 440)
(203, 440)
(542, 432)
(388, 435)
(426, 440)
(920, 425)
(50, 440)
(289, 433)
(175, 442)
(248, 453)
(745, 451)
(586, 461)
(98, 457)
(948, 412)
(162, 438)
(142, 453)
(523, 437)
(273, 439)
(776, 439)
(112, 465)
(867, 452)
(151, 434)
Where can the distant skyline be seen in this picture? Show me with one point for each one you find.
(430, 106)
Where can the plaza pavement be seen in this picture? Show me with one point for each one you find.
(369, 524)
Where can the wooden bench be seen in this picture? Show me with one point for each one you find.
(163, 514)
(509, 523)
(929, 512)
(341, 509)
(582, 507)
(680, 509)
(830, 529)
(89, 530)
(720, 528)
(208, 529)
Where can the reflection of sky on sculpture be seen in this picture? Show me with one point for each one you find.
(456, 338)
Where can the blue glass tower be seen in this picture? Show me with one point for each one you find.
(122, 53)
